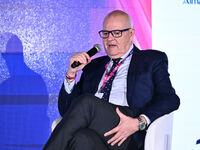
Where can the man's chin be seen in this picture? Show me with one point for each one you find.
(112, 50)
(113, 56)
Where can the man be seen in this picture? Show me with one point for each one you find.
(118, 95)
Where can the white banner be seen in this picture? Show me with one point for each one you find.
(176, 31)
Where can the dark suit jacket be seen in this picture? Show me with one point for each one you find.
(149, 90)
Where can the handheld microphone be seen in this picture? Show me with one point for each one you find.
(91, 52)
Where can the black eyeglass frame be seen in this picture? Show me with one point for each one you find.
(112, 33)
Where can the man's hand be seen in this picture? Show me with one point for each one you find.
(83, 58)
(126, 127)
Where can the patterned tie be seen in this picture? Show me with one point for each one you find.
(108, 86)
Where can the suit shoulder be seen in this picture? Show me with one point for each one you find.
(154, 54)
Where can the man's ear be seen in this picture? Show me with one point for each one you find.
(132, 31)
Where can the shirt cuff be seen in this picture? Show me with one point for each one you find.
(69, 86)
(147, 119)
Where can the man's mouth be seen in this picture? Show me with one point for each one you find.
(112, 45)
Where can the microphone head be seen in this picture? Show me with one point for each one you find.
(94, 50)
(98, 47)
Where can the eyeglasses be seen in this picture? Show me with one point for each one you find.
(115, 33)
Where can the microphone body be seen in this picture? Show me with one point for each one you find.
(91, 52)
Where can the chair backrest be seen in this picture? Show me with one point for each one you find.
(159, 134)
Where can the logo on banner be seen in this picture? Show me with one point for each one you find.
(197, 146)
(191, 2)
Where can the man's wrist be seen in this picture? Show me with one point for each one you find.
(70, 77)
(143, 119)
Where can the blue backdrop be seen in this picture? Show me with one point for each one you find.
(36, 40)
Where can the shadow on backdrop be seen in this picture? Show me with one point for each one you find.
(24, 123)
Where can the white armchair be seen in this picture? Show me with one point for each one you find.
(55, 122)
(159, 133)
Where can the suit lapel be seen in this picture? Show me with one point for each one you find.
(131, 75)
(99, 74)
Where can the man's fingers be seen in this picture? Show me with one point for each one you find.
(123, 139)
(82, 57)
(87, 56)
(114, 130)
(114, 138)
(117, 139)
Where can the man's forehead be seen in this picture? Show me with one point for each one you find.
(115, 21)
(115, 18)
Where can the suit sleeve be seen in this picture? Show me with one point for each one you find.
(164, 99)
(65, 100)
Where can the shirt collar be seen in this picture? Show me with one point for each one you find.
(126, 54)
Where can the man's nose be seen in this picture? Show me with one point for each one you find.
(110, 36)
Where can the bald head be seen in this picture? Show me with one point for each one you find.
(127, 21)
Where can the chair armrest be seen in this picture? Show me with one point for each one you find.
(159, 134)
(55, 122)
